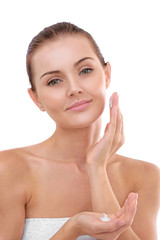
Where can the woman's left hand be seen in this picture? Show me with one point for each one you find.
(113, 139)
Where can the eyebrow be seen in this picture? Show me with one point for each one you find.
(75, 65)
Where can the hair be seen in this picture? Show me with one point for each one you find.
(55, 32)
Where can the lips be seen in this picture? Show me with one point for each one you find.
(78, 103)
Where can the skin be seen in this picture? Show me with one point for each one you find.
(45, 179)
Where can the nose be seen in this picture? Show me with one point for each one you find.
(74, 89)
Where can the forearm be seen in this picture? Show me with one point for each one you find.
(102, 195)
(104, 199)
(67, 232)
(129, 234)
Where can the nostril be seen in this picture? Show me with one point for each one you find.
(74, 92)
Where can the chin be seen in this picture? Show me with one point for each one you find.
(81, 121)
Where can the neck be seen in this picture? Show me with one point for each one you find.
(73, 144)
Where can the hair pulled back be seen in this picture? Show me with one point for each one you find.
(55, 32)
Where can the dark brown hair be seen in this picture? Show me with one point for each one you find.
(55, 32)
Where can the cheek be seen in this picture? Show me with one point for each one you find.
(52, 101)
(97, 87)
(100, 94)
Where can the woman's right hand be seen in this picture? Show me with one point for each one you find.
(89, 223)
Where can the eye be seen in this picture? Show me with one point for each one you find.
(86, 70)
(53, 82)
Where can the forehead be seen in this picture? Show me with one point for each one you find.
(65, 50)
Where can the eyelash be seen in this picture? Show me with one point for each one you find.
(81, 73)
(90, 70)
(49, 84)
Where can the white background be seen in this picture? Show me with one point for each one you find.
(128, 35)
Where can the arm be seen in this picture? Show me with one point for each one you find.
(15, 194)
(149, 201)
(12, 203)
(98, 157)
(89, 223)
(104, 199)
(68, 231)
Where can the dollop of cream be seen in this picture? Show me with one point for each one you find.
(105, 218)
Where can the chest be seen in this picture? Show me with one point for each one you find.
(59, 191)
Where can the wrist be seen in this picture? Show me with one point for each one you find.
(69, 230)
(74, 226)
(93, 169)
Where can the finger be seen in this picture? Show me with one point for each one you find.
(115, 234)
(129, 210)
(131, 207)
(125, 221)
(110, 226)
(118, 132)
(113, 105)
(122, 132)
(123, 209)
(128, 213)
(111, 126)
(107, 126)
(114, 126)
(113, 114)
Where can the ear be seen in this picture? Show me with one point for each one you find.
(35, 99)
(107, 70)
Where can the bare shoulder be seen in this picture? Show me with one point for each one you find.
(12, 160)
(14, 193)
(142, 177)
(14, 170)
(138, 168)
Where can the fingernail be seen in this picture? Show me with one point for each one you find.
(113, 101)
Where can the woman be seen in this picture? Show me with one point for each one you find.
(61, 188)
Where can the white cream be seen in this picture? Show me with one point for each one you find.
(105, 218)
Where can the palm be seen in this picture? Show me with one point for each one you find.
(112, 140)
(91, 224)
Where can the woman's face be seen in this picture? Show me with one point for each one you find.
(64, 72)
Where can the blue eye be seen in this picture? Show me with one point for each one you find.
(53, 82)
(86, 70)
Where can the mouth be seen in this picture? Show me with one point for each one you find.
(79, 105)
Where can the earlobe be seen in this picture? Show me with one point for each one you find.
(108, 74)
(34, 97)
